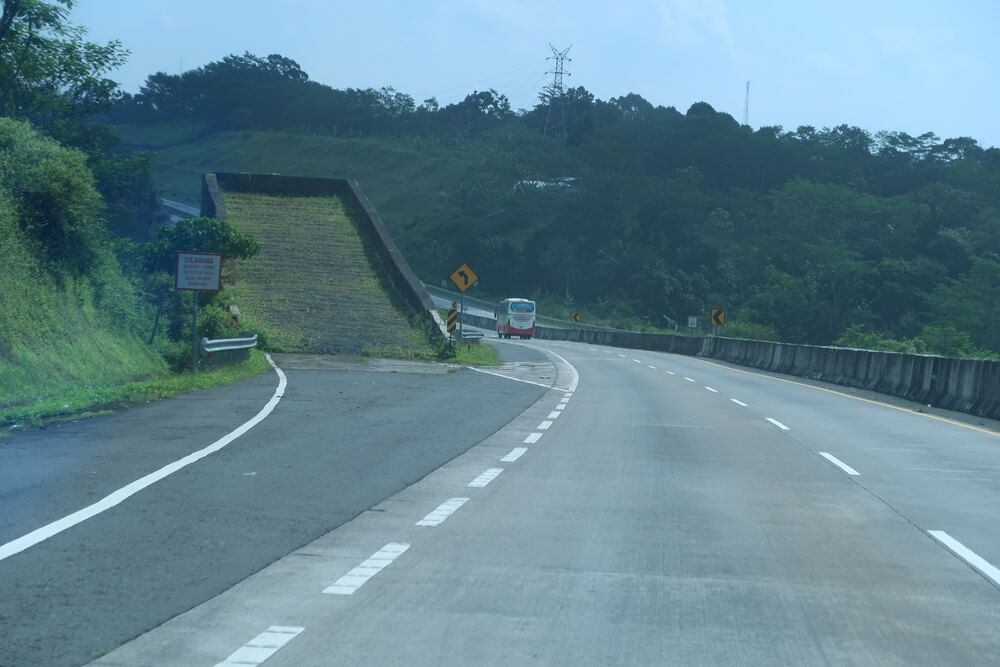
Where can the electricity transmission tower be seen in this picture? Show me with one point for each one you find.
(555, 93)
(746, 107)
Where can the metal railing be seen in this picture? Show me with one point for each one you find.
(224, 351)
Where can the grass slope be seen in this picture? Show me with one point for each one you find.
(404, 178)
(313, 287)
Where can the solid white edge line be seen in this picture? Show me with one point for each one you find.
(778, 424)
(840, 464)
(741, 403)
(968, 555)
(117, 497)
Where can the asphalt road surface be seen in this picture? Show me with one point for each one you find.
(647, 509)
(339, 441)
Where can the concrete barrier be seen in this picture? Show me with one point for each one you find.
(965, 385)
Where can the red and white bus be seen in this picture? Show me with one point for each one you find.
(516, 317)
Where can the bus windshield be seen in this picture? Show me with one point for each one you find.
(522, 307)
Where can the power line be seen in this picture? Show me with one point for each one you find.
(514, 74)
(555, 93)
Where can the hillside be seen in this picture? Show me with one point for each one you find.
(314, 287)
(627, 210)
(68, 319)
(403, 178)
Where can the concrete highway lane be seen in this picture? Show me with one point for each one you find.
(340, 441)
(652, 509)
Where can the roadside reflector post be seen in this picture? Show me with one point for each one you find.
(452, 320)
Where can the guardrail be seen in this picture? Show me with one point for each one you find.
(226, 351)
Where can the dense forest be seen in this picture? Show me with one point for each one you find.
(815, 235)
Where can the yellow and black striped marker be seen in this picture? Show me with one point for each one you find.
(452, 319)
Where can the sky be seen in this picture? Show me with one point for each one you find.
(915, 66)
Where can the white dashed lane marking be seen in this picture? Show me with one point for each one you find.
(714, 391)
(360, 575)
(514, 455)
(532, 438)
(689, 379)
(670, 372)
(622, 356)
(778, 424)
(840, 464)
(637, 361)
(545, 425)
(740, 403)
(485, 478)
(561, 406)
(263, 646)
(968, 555)
(443, 511)
(553, 415)
(653, 367)
(564, 399)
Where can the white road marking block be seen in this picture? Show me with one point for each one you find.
(712, 390)
(670, 372)
(532, 438)
(485, 478)
(840, 464)
(568, 394)
(514, 455)
(778, 424)
(117, 497)
(622, 356)
(564, 399)
(740, 403)
(561, 406)
(360, 575)
(653, 367)
(968, 555)
(689, 379)
(443, 511)
(262, 647)
(553, 415)
(544, 426)
(637, 361)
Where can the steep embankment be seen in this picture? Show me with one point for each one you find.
(68, 318)
(315, 286)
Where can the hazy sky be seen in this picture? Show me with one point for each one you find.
(914, 66)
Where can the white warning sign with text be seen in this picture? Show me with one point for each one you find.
(199, 271)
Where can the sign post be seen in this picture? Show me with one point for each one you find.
(718, 320)
(464, 278)
(197, 272)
